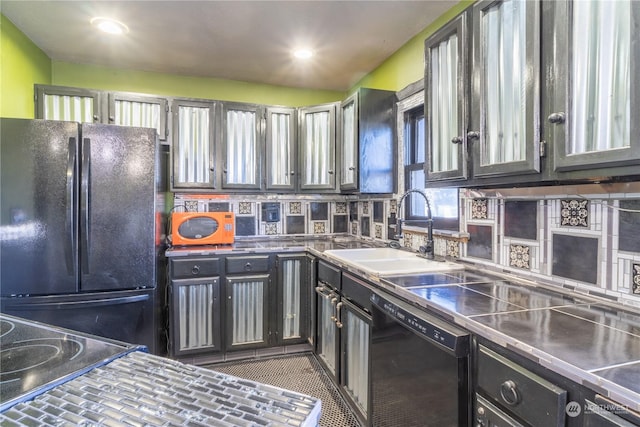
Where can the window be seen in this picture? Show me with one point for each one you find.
(443, 201)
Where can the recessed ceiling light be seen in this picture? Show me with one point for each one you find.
(109, 25)
(303, 53)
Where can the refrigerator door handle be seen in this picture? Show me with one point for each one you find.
(70, 247)
(85, 204)
(84, 303)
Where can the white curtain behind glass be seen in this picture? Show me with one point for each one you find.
(601, 86)
(193, 145)
(444, 105)
(69, 108)
(505, 66)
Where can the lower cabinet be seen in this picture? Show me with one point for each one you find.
(343, 335)
(266, 302)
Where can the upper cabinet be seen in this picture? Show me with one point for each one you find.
(281, 149)
(127, 109)
(446, 96)
(591, 64)
(504, 131)
(367, 142)
(317, 142)
(193, 150)
(69, 104)
(242, 142)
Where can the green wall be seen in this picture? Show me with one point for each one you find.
(95, 77)
(22, 64)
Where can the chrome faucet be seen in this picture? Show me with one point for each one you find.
(429, 251)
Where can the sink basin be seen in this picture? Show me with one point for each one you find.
(389, 261)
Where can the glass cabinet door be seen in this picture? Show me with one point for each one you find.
(317, 146)
(594, 95)
(446, 77)
(68, 103)
(241, 146)
(139, 111)
(504, 133)
(193, 150)
(280, 160)
(349, 144)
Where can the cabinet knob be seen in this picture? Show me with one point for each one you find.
(556, 118)
(510, 393)
(292, 173)
(248, 267)
(457, 140)
(195, 270)
(330, 172)
(211, 169)
(352, 168)
(474, 134)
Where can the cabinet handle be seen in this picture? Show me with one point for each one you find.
(510, 393)
(474, 134)
(352, 168)
(292, 172)
(334, 317)
(247, 267)
(195, 270)
(338, 315)
(330, 172)
(556, 118)
(457, 140)
(211, 169)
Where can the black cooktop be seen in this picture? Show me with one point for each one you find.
(35, 357)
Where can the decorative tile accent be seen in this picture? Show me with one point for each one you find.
(295, 208)
(519, 256)
(354, 228)
(521, 219)
(191, 205)
(378, 231)
(636, 279)
(319, 228)
(393, 206)
(479, 208)
(574, 213)
(341, 207)
(453, 248)
(365, 207)
(245, 208)
(408, 240)
(271, 228)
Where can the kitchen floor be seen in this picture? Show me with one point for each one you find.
(301, 373)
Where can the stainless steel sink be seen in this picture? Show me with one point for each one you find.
(389, 261)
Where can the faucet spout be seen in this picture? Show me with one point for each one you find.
(429, 246)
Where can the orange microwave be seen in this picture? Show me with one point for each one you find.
(202, 228)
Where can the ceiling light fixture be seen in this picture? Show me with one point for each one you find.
(109, 25)
(303, 53)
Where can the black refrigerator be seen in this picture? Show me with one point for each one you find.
(78, 242)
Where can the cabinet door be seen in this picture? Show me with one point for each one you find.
(281, 150)
(69, 104)
(292, 312)
(504, 133)
(591, 60)
(193, 153)
(247, 315)
(355, 339)
(139, 110)
(446, 97)
(326, 331)
(241, 145)
(317, 147)
(349, 143)
(195, 316)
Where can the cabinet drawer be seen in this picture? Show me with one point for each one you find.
(248, 264)
(329, 275)
(357, 292)
(520, 391)
(186, 268)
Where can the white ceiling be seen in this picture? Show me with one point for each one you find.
(240, 40)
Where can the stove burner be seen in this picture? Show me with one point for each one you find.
(6, 327)
(36, 355)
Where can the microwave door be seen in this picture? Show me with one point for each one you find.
(38, 198)
(117, 215)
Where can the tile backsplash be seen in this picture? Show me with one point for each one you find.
(583, 238)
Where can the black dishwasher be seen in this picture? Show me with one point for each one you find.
(420, 367)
